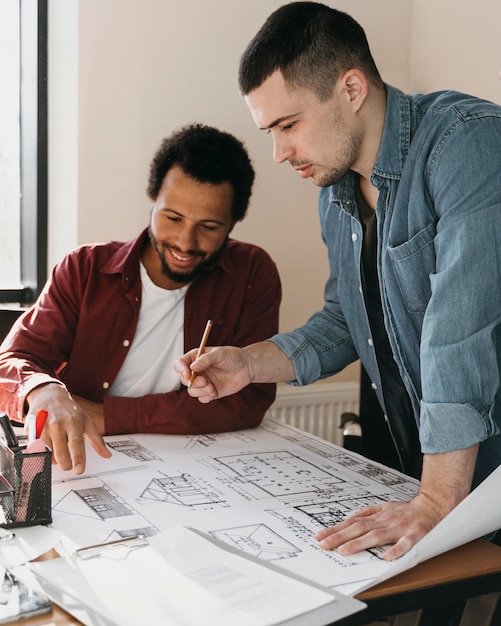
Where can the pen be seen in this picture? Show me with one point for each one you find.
(201, 348)
(10, 435)
(134, 541)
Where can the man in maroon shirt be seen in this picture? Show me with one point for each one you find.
(96, 350)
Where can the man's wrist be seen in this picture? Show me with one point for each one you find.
(447, 477)
(267, 363)
(41, 389)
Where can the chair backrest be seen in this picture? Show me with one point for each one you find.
(7, 318)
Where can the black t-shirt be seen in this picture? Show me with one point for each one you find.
(396, 398)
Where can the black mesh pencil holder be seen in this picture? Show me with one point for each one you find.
(25, 487)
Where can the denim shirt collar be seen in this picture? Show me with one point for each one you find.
(392, 153)
(396, 137)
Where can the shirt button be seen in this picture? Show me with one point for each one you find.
(354, 236)
(370, 342)
(373, 386)
(126, 343)
(106, 385)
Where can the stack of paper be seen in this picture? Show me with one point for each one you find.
(185, 580)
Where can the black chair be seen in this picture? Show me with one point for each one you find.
(7, 318)
(367, 433)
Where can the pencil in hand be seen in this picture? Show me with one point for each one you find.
(201, 349)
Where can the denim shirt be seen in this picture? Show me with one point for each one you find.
(439, 264)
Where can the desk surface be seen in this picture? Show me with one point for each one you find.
(467, 571)
(253, 460)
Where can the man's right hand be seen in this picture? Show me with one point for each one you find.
(67, 426)
(219, 372)
(226, 370)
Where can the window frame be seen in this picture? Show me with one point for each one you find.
(34, 152)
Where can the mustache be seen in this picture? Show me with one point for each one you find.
(166, 246)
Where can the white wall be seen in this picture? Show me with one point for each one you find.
(146, 67)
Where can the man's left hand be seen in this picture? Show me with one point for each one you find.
(94, 411)
(400, 523)
(445, 481)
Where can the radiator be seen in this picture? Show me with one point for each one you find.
(316, 408)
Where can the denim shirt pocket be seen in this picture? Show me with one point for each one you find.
(413, 262)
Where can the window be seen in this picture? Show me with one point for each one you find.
(10, 215)
(23, 149)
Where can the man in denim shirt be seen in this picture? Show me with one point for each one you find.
(409, 207)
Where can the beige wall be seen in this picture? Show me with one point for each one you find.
(456, 44)
(130, 71)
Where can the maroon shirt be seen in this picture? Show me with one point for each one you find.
(82, 326)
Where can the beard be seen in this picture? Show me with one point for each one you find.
(182, 278)
(348, 149)
(332, 176)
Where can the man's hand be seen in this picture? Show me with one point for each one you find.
(400, 523)
(93, 410)
(67, 425)
(446, 480)
(220, 372)
(226, 370)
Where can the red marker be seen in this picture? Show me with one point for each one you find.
(40, 420)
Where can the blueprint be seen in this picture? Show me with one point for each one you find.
(265, 491)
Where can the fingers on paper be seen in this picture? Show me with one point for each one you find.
(372, 527)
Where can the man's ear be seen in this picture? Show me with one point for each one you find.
(354, 83)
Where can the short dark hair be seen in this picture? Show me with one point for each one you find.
(209, 156)
(311, 44)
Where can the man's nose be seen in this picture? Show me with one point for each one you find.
(186, 239)
(282, 150)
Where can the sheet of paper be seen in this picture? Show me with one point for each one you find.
(27, 544)
(264, 491)
(183, 580)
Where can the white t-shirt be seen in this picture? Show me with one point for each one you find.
(158, 342)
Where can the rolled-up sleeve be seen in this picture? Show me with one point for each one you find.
(460, 346)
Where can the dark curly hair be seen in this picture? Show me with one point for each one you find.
(312, 45)
(209, 156)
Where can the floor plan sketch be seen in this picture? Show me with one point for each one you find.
(277, 473)
(258, 540)
(330, 513)
(182, 489)
(96, 500)
(216, 439)
(264, 491)
(131, 448)
(359, 466)
(104, 503)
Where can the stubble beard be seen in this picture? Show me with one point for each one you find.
(349, 150)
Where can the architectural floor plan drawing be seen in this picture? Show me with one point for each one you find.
(258, 540)
(181, 489)
(264, 491)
